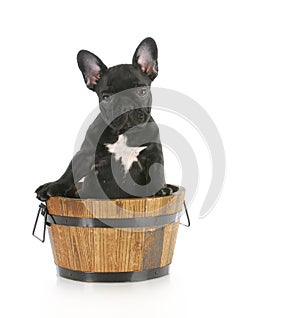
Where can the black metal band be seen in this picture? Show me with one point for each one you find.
(113, 222)
(113, 277)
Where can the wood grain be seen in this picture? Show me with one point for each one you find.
(114, 249)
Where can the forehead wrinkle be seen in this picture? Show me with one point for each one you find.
(122, 81)
(122, 77)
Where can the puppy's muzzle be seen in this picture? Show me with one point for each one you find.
(116, 114)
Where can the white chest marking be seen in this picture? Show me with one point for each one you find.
(120, 150)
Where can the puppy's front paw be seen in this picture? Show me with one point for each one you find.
(50, 189)
(164, 192)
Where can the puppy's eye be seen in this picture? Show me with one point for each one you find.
(143, 92)
(105, 98)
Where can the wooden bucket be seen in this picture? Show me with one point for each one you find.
(114, 240)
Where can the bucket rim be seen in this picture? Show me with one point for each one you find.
(180, 190)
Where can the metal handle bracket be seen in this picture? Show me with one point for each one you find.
(187, 216)
(44, 212)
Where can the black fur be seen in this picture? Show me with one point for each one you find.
(125, 103)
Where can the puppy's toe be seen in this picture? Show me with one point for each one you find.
(164, 192)
(167, 191)
(42, 195)
(38, 189)
(41, 187)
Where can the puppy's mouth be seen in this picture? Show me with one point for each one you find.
(119, 122)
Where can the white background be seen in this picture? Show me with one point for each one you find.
(240, 61)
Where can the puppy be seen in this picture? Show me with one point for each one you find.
(121, 155)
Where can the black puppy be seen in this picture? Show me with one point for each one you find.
(121, 155)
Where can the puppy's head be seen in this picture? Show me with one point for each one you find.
(123, 90)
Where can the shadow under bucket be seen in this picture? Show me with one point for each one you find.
(114, 240)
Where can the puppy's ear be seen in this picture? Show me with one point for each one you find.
(145, 57)
(91, 66)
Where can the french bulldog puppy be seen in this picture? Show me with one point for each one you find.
(121, 155)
